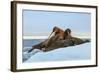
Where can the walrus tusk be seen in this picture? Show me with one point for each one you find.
(50, 35)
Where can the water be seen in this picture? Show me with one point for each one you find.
(27, 45)
(30, 42)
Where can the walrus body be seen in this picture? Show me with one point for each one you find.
(48, 44)
(59, 44)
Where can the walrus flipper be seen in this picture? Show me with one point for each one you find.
(30, 50)
(38, 46)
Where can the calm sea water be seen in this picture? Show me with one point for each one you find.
(30, 42)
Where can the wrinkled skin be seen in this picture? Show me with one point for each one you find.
(58, 44)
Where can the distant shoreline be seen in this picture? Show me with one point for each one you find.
(45, 37)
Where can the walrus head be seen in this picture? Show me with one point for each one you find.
(67, 33)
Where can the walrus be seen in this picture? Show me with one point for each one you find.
(75, 40)
(58, 35)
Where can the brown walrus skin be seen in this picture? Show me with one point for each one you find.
(54, 45)
(58, 44)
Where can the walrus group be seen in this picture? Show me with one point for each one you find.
(59, 39)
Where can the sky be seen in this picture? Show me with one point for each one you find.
(42, 22)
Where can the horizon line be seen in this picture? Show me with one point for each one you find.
(45, 37)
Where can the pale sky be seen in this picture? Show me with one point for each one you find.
(42, 22)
